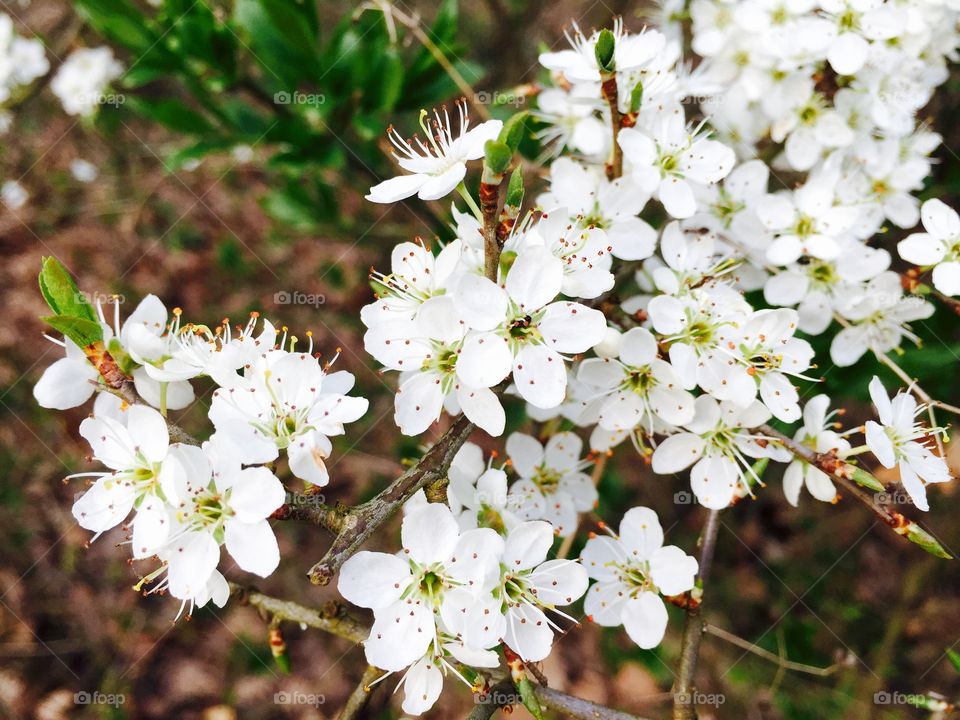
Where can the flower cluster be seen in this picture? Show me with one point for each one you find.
(181, 502)
(452, 595)
(22, 60)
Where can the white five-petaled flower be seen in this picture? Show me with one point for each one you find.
(635, 389)
(591, 200)
(286, 401)
(673, 157)
(438, 166)
(530, 585)
(552, 484)
(939, 246)
(879, 313)
(760, 355)
(899, 440)
(526, 330)
(134, 450)
(71, 381)
(721, 446)
(442, 577)
(632, 570)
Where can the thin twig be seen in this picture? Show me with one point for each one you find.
(360, 696)
(359, 523)
(413, 24)
(505, 694)
(781, 662)
(845, 474)
(333, 618)
(308, 507)
(684, 705)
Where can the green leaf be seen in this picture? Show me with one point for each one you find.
(173, 114)
(529, 697)
(284, 61)
(386, 82)
(604, 50)
(515, 189)
(293, 21)
(120, 21)
(81, 331)
(512, 132)
(61, 292)
(290, 206)
(636, 97)
(954, 657)
(497, 156)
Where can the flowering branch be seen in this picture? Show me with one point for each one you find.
(333, 618)
(359, 523)
(854, 478)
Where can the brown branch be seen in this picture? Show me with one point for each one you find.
(359, 523)
(360, 696)
(490, 209)
(333, 618)
(610, 93)
(504, 694)
(854, 479)
(578, 708)
(684, 704)
(309, 507)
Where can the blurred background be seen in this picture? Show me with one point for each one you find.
(222, 196)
